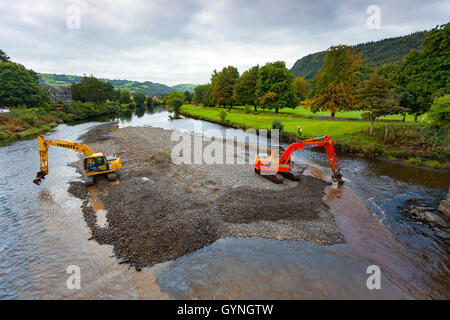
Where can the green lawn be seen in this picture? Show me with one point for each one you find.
(291, 119)
(306, 113)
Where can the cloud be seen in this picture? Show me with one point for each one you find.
(174, 42)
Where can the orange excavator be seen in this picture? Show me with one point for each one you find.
(278, 164)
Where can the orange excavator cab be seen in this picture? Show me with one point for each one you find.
(278, 164)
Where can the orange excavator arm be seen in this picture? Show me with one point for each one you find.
(285, 158)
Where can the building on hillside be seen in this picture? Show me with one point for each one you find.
(60, 94)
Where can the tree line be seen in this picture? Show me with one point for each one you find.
(269, 87)
(344, 84)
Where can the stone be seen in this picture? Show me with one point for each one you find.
(444, 207)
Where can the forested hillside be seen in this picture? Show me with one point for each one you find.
(147, 87)
(375, 53)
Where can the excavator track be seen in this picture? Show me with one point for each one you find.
(276, 178)
(294, 176)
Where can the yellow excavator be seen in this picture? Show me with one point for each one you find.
(95, 164)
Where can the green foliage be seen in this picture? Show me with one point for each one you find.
(19, 86)
(90, 89)
(440, 110)
(223, 115)
(125, 97)
(301, 88)
(375, 54)
(175, 100)
(337, 82)
(150, 102)
(275, 89)
(84, 110)
(139, 98)
(426, 142)
(377, 98)
(223, 85)
(200, 94)
(188, 96)
(277, 125)
(3, 56)
(244, 91)
(426, 73)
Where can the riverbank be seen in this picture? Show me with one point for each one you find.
(160, 211)
(410, 142)
(23, 124)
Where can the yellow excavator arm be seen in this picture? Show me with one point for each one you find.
(43, 153)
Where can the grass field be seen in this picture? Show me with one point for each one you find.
(291, 119)
(306, 113)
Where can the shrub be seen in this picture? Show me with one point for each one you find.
(3, 135)
(223, 115)
(440, 110)
(248, 109)
(278, 125)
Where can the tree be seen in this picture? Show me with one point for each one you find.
(3, 56)
(337, 83)
(19, 86)
(301, 88)
(440, 110)
(111, 94)
(90, 89)
(200, 93)
(275, 89)
(188, 96)
(175, 100)
(427, 72)
(139, 98)
(125, 97)
(244, 91)
(150, 102)
(222, 86)
(377, 99)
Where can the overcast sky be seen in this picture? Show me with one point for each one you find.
(176, 42)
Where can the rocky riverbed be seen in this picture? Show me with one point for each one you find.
(160, 211)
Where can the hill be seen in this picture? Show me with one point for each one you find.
(185, 87)
(376, 53)
(147, 87)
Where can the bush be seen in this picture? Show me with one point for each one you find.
(248, 109)
(440, 110)
(3, 136)
(223, 115)
(278, 125)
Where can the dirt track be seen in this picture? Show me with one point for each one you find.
(160, 211)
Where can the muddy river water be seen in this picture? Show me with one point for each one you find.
(42, 233)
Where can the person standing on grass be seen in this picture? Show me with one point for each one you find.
(300, 130)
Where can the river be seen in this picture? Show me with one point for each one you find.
(42, 232)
